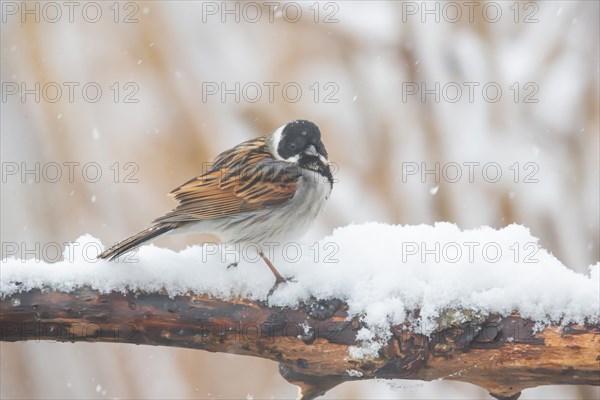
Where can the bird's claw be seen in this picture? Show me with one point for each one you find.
(279, 281)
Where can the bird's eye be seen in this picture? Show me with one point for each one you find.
(293, 146)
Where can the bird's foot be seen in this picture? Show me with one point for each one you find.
(278, 281)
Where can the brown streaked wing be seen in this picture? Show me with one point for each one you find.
(245, 178)
(231, 159)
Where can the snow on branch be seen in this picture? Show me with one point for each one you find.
(484, 306)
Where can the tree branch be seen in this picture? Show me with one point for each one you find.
(502, 354)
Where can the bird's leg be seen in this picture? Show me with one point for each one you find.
(236, 260)
(278, 278)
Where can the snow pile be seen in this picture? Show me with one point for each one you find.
(382, 271)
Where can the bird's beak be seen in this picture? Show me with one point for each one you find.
(311, 151)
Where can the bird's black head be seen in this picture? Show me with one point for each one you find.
(300, 141)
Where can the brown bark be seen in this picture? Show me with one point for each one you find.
(502, 354)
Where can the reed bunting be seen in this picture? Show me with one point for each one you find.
(266, 189)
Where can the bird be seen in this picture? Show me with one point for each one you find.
(267, 189)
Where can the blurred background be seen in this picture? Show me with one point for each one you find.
(480, 113)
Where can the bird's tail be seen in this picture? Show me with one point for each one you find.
(136, 240)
